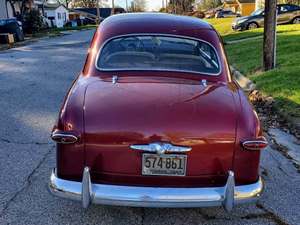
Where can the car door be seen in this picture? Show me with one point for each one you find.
(284, 14)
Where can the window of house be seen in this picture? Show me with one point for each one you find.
(59, 16)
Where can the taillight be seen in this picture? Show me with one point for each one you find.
(64, 137)
(255, 144)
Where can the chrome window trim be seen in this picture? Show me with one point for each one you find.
(162, 70)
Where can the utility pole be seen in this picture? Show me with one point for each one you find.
(269, 47)
(166, 6)
(98, 12)
(112, 7)
(126, 5)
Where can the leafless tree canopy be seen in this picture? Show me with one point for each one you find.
(208, 4)
(138, 6)
(84, 3)
(181, 6)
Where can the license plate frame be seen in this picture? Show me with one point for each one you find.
(153, 170)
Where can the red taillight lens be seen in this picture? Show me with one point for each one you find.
(63, 137)
(256, 144)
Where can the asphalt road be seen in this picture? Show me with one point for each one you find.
(33, 82)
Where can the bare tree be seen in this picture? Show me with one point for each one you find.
(269, 47)
(25, 6)
(180, 6)
(66, 3)
(138, 6)
(85, 3)
(208, 4)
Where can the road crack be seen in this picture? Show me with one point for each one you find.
(269, 215)
(23, 143)
(142, 216)
(27, 182)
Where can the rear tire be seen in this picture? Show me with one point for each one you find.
(296, 20)
(252, 26)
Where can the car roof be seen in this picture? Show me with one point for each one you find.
(129, 23)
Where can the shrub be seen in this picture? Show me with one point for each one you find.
(33, 21)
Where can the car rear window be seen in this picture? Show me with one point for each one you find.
(162, 53)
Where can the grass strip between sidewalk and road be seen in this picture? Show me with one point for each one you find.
(282, 83)
(223, 26)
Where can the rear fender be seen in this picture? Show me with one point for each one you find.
(246, 163)
(70, 157)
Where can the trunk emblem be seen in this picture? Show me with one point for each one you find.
(161, 148)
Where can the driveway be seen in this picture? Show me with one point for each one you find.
(33, 82)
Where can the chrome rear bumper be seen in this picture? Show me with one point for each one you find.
(87, 193)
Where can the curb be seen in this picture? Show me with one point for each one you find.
(243, 39)
(34, 39)
(243, 81)
(26, 42)
(293, 123)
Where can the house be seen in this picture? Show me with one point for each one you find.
(92, 12)
(56, 14)
(243, 7)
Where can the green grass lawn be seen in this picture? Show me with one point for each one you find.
(282, 83)
(223, 26)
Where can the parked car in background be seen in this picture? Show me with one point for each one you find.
(212, 12)
(155, 119)
(12, 26)
(226, 14)
(198, 14)
(286, 13)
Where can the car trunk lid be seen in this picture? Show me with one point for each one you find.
(181, 113)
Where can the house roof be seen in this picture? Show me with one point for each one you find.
(53, 5)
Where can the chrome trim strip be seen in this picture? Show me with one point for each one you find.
(157, 196)
(54, 135)
(114, 79)
(161, 148)
(163, 70)
(250, 142)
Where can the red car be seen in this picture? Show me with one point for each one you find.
(156, 120)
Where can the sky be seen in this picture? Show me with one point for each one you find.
(151, 4)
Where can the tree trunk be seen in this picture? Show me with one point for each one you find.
(12, 4)
(269, 35)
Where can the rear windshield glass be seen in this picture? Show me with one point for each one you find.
(159, 53)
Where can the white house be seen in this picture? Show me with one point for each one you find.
(57, 14)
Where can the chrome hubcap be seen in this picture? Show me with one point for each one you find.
(297, 21)
(252, 26)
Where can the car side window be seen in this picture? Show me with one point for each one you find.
(284, 9)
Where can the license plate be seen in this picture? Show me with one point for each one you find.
(164, 165)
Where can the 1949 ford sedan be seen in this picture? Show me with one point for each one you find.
(156, 120)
